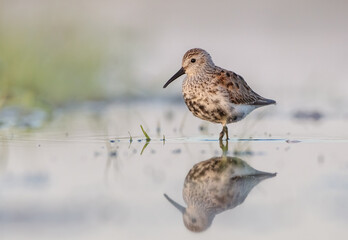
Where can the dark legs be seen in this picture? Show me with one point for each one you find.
(223, 132)
(226, 131)
(224, 147)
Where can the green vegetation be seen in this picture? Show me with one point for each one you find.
(46, 68)
(142, 150)
(148, 139)
(53, 54)
(146, 135)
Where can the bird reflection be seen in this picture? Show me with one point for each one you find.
(216, 185)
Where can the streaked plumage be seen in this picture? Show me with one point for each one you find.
(213, 93)
(214, 186)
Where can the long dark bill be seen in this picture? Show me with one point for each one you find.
(176, 75)
(175, 204)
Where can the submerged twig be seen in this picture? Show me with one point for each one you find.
(130, 137)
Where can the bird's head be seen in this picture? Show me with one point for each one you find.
(195, 61)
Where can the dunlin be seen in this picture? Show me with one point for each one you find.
(213, 93)
(214, 186)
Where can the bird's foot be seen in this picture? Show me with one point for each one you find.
(223, 132)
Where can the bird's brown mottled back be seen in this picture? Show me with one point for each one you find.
(238, 90)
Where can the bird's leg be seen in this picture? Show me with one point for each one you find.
(222, 133)
(226, 131)
(224, 147)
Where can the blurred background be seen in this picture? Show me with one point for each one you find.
(79, 77)
(53, 53)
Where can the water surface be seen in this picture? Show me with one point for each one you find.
(80, 177)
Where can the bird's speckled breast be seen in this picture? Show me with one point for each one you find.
(205, 101)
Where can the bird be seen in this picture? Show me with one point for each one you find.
(215, 94)
(214, 186)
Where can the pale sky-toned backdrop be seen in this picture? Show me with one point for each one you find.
(293, 51)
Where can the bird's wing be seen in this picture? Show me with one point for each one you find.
(237, 90)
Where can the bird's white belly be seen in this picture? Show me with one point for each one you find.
(238, 111)
(242, 109)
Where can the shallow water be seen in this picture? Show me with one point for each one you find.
(80, 177)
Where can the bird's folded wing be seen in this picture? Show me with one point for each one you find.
(238, 91)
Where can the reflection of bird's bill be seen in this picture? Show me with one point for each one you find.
(176, 75)
(175, 204)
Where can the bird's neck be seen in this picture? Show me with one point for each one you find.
(201, 73)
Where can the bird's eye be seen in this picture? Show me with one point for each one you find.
(193, 60)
